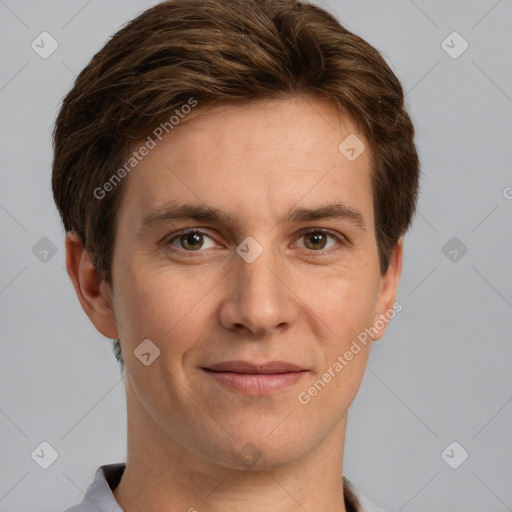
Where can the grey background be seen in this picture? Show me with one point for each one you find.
(442, 372)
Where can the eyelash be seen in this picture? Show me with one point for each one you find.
(338, 237)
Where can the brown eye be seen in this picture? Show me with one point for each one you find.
(315, 240)
(318, 240)
(191, 241)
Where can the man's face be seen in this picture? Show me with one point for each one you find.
(260, 282)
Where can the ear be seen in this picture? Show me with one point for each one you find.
(93, 293)
(385, 307)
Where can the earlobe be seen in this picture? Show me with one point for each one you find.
(385, 309)
(91, 291)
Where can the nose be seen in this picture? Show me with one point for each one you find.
(258, 298)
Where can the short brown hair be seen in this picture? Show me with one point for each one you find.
(215, 51)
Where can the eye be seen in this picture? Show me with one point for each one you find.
(191, 240)
(317, 239)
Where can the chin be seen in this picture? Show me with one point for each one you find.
(262, 453)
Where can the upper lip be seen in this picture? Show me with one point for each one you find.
(247, 367)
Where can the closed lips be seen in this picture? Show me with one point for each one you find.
(272, 367)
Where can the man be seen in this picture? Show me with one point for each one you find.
(235, 179)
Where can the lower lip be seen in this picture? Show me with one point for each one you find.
(256, 383)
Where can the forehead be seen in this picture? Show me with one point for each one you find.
(263, 156)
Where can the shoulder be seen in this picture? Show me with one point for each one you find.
(356, 500)
(99, 493)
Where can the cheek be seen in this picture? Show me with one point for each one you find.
(161, 305)
(346, 308)
(346, 303)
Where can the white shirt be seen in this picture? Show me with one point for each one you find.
(99, 496)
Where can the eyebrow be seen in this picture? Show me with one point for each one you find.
(172, 211)
(331, 211)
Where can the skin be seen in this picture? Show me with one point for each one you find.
(303, 300)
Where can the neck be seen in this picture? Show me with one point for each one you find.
(163, 475)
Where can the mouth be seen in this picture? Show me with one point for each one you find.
(255, 379)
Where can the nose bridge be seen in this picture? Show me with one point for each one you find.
(258, 298)
(258, 278)
(257, 269)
